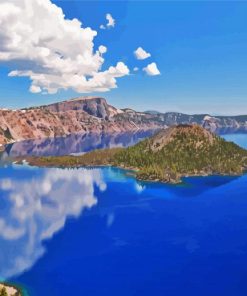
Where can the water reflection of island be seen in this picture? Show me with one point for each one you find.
(74, 144)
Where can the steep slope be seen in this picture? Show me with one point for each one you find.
(94, 114)
(82, 115)
(183, 150)
(95, 106)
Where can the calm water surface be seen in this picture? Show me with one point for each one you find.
(100, 232)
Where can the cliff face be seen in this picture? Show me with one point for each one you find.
(94, 114)
(94, 106)
(82, 115)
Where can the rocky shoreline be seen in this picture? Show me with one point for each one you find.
(9, 290)
(95, 115)
(170, 179)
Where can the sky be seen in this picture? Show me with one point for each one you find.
(191, 57)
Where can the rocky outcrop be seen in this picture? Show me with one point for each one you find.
(94, 106)
(9, 290)
(94, 114)
(82, 115)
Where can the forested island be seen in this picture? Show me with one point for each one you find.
(173, 153)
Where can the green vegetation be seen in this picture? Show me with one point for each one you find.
(6, 133)
(184, 150)
(189, 151)
(94, 158)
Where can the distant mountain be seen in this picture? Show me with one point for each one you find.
(152, 112)
(94, 114)
(169, 155)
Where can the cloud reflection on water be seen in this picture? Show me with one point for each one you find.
(38, 207)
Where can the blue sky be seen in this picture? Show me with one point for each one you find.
(199, 47)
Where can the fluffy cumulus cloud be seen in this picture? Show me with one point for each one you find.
(141, 54)
(110, 22)
(152, 69)
(38, 42)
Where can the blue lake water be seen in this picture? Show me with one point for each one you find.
(100, 232)
(240, 139)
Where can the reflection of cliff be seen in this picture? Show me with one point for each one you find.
(33, 209)
(75, 143)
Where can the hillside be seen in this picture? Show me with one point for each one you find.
(181, 151)
(81, 115)
(94, 114)
(178, 151)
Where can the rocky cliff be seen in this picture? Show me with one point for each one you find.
(94, 114)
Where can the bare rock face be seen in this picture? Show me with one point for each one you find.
(94, 114)
(81, 115)
(94, 106)
(10, 291)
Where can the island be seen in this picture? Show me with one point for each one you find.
(168, 156)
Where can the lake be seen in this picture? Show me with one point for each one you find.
(100, 232)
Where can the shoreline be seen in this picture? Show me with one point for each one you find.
(11, 289)
(133, 171)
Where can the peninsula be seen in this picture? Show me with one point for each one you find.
(173, 153)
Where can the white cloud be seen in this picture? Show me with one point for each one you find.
(141, 54)
(135, 69)
(111, 22)
(6, 184)
(38, 42)
(34, 89)
(102, 49)
(10, 233)
(152, 69)
(139, 188)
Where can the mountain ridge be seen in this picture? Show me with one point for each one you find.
(94, 114)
